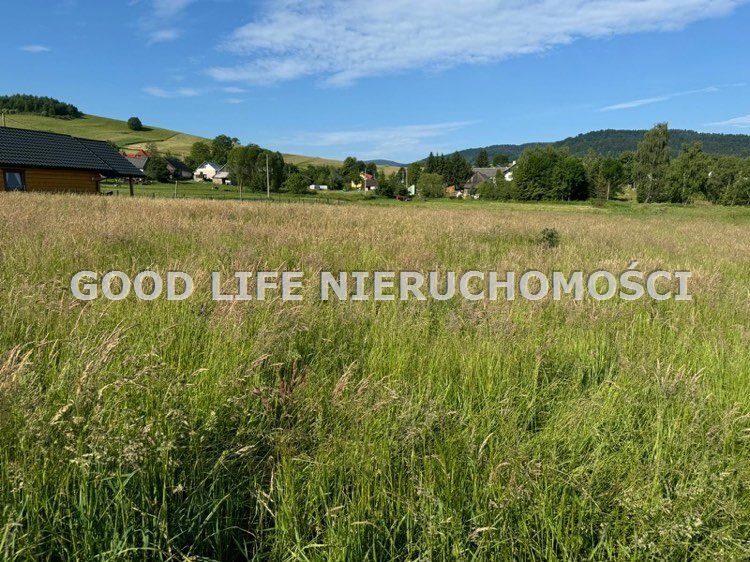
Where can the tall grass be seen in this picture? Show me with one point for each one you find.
(370, 431)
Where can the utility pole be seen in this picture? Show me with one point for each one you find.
(268, 178)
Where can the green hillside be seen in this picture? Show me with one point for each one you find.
(116, 131)
(616, 142)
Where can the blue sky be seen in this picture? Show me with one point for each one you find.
(388, 79)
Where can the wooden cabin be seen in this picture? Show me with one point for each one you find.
(40, 161)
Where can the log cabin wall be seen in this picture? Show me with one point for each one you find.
(64, 181)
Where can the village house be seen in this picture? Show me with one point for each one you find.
(206, 171)
(480, 175)
(221, 176)
(178, 170)
(367, 182)
(140, 161)
(39, 161)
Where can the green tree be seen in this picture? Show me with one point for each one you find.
(483, 159)
(156, 169)
(570, 181)
(431, 164)
(605, 175)
(627, 161)
(298, 184)
(200, 152)
(351, 169)
(456, 170)
(724, 171)
(728, 180)
(489, 190)
(738, 192)
(277, 169)
(651, 164)
(431, 185)
(152, 149)
(544, 173)
(414, 172)
(220, 148)
(688, 174)
(500, 159)
(534, 174)
(242, 162)
(134, 124)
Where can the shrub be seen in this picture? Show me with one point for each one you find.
(298, 184)
(549, 238)
(156, 169)
(134, 124)
(431, 185)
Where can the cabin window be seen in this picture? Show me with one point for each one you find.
(15, 180)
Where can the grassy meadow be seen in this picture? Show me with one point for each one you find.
(203, 430)
(117, 131)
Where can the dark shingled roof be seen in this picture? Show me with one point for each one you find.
(138, 161)
(112, 157)
(179, 165)
(36, 149)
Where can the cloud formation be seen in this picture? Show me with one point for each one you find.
(343, 41)
(170, 8)
(379, 142)
(157, 92)
(741, 122)
(658, 99)
(164, 35)
(162, 14)
(35, 49)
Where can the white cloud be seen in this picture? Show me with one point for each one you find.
(234, 101)
(170, 8)
(658, 99)
(161, 14)
(36, 49)
(158, 92)
(742, 122)
(234, 90)
(164, 35)
(383, 142)
(347, 40)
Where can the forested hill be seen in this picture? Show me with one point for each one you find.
(615, 142)
(45, 106)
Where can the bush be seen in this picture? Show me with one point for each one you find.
(298, 184)
(134, 124)
(549, 238)
(156, 170)
(488, 190)
(431, 185)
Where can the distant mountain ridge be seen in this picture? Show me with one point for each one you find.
(617, 141)
(385, 163)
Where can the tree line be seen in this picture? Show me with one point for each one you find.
(541, 173)
(36, 105)
(553, 173)
(615, 142)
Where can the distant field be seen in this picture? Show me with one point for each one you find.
(204, 430)
(206, 190)
(102, 128)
